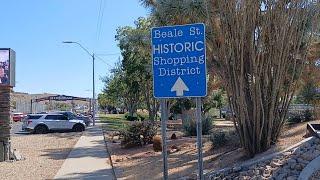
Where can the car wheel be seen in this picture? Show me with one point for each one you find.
(78, 128)
(41, 129)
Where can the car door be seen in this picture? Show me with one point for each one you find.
(51, 121)
(70, 121)
(71, 118)
(63, 122)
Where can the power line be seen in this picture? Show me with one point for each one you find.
(100, 20)
(109, 54)
(99, 58)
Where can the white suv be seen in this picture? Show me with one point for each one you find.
(43, 123)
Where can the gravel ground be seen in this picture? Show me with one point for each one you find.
(44, 155)
(315, 175)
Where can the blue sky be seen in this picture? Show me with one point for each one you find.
(36, 28)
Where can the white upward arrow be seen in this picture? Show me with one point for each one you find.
(179, 86)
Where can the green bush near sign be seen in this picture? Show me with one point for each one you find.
(190, 127)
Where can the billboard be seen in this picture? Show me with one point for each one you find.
(7, 67)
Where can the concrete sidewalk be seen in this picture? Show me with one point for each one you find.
(89, 158)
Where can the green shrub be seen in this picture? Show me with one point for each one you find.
(308, 115)
(220, 138)
(132, 118)
(143, 116)
(297, 117)
(190, 127)
(138, 133)
(135, 117)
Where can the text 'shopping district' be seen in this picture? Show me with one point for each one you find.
(179, 61)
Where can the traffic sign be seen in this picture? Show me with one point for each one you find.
(179, 61)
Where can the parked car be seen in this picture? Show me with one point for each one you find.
(43, 123)
(87, 120)
(70, 115)
(226, 112)
(16, 117)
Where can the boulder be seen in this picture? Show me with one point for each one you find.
(173, 136)
(237, 169)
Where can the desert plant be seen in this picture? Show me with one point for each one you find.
(224, 137)
(295, 118)
(258, 49)
(137, 133)
(190, 127)
(132, 118)
(218, 138)
(142, 116)
(308, 115)
(304, 116)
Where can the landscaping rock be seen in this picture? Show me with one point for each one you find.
(292, 178)
(315, 175)
(173, 136)
(307, 156)
(293, 166)
(291, 161)
(236, 169)
(275, 164)
(266, 173)
(281, 176)
(287, 165)
(173, 149)
(256, 172)
(298, 167)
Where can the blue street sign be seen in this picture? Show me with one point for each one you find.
(179, 61)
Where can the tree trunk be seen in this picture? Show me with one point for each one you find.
(4, 123)
(131, 110)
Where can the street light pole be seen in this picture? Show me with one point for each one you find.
(93, 93)
(93, 80)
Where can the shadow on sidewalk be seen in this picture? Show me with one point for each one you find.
(105, 174)
(96, 151)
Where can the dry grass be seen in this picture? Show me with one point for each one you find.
(292, 134)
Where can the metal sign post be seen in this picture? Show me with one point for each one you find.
(179, 70)
(199, 138)
(164, 114)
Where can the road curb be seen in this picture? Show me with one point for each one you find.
(308, 171)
